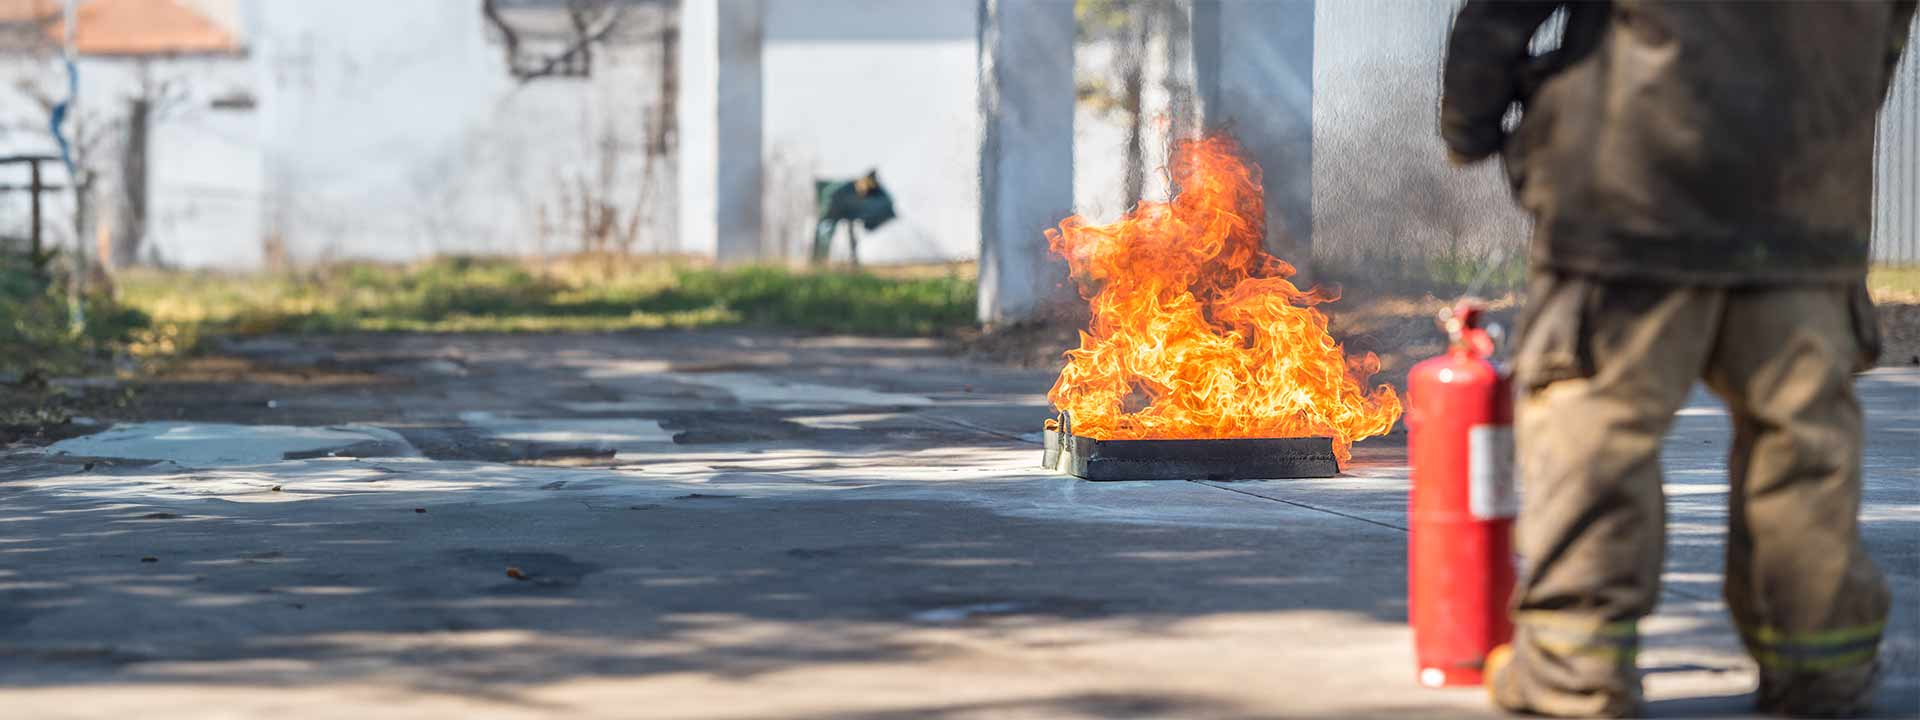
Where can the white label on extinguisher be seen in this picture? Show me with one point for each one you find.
(1490, 490)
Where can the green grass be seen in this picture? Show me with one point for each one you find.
(1900, 281)
(38, 339)
(40, 342)
(459, 294)
(1438, 273)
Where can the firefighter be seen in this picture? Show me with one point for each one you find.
(1700, 176)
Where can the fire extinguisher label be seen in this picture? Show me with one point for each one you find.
(1490, 491)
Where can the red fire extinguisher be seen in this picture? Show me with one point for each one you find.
(1460, 566)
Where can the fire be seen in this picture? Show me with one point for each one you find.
(1197, 332)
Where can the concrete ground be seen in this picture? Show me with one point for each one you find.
(746, 525)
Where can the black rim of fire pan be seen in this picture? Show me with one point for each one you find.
(1211, 459)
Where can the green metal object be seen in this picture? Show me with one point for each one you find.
(859, 201)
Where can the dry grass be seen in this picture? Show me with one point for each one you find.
(573, 294)
(1896, 292)
(1895, 283)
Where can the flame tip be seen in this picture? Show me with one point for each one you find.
(1197, 332)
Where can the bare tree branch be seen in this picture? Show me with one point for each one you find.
(587, 31)
(491, 8)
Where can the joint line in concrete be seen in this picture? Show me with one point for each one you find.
(976, 428)
(1314, 508)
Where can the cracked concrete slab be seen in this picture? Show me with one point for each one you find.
(608, 433)
(785, 394)
(884, 560)
(219, 444)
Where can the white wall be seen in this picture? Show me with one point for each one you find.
(404, 135)
(852, 85)
(382, 130)
(393, 131)
(203, 164)
(366, 122)
(203, 172)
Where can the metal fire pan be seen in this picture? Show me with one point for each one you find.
(1221, 459)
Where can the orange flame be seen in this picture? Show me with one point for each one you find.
(1197, 332)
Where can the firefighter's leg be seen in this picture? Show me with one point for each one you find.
(1601, 369)
(1807, 600)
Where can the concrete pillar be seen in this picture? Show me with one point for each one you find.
(1026, 153)
(719, 125)
(1253, 71)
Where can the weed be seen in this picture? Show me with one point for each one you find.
(1895, 283)
(590, 294)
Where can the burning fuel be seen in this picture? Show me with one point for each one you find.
(1199, 333)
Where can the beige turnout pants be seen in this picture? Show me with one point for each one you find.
(1601, 369)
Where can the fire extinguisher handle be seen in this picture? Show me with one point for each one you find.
(1467, 328)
